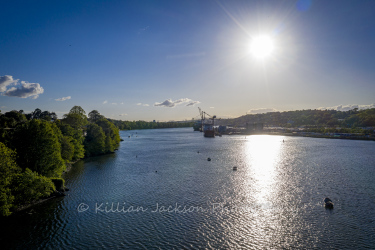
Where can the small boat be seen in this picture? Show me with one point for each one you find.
(234, 168)
(208, 159)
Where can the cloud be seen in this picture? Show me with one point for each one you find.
(123, 114)
(140, 31)
(5, 81)
(170, 104)
(32, 90)
(192, 103)
(105, 102)
(113, 103)
(349, 107)
(122, 103)
(23, 90)
(261, 110)
(63, 99)
(142, 104)
(212, 107)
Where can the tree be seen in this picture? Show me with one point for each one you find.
(8, 171)
(75, 137)
(67, 148)
(30, 186)
(38, 148)
(112, 139)
(76, 117)
(95, 140)
(95, 116)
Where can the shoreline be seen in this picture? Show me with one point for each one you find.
(358, 138)
(53, 195)
(56, 194)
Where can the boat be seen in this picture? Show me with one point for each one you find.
(209, 130)
(207, 125)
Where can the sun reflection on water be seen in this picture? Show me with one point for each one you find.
(262, 156)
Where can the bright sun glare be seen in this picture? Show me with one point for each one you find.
(261, 46)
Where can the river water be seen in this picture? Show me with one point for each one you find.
(159, 191)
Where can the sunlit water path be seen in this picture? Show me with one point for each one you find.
(157, 191)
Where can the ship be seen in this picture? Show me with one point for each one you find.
(208, 130)
(207, 127)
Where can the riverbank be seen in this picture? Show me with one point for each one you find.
(57, 193)
(54, 195)
(346, 136)
(325, 136)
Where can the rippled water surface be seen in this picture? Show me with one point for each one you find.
(157, 191)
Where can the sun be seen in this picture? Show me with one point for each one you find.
(261, 46)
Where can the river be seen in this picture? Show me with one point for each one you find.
(159, 191)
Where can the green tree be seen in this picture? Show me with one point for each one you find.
(30, 186)
(67, 148)
(76, 139)
(95, 116)
(8, 171)
(76, 117)
(38, 148)
(95, 140)
(112, 140)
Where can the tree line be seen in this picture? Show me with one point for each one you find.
(128, 125)
(35, 149)
(311, 118)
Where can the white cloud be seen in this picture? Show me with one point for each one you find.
(63, 99)
(113, 103)
(349, 107)
(123, 114)
(212, 107)
(140, 31)
(261, 110)
(23, 90)
(105, 102)
(32, 90)
(170, 104)
(5, 81)
(122, 103)
(142, 104)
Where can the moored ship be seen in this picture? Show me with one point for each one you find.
(209, 130)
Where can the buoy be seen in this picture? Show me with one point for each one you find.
(208, 159)
(234, 168)
(328, 203)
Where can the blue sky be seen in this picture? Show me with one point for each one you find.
(160, 60)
